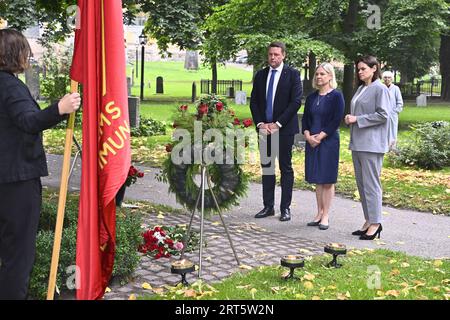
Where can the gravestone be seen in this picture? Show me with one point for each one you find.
(299, 138)
(129, 86)
(230, 92)
(32, 80)
(133, 111)
(241, 97)
(191, 60)
(159, 85)
(421, 100)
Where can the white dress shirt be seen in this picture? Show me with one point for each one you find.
(275, 84)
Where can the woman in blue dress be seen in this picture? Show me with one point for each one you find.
(323, 113)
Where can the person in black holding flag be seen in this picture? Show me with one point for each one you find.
(22, 163)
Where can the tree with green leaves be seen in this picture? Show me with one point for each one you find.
(180, 22)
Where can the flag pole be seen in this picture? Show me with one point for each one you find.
(62, 199)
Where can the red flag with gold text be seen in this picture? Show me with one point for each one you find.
(99, 65)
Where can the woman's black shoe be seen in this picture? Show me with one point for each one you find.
(313, 223)
(372, 236)
(359, 232)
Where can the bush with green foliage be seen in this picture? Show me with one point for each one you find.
(428, 148)
(128, 238)
(149, 127)
(56, 81)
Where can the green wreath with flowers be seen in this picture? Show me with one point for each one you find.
(227, 178)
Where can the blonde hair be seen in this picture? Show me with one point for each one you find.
(328, 67)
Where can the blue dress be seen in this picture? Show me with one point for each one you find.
(323, 114)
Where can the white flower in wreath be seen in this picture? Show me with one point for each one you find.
(160, 237)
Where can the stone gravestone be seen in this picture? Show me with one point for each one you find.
(241, 97)
(299, 138)
(159, 85)
(32, 80)
(191, 60)
(133, 111)
(230, 92)
(421, 100)
(129, 86)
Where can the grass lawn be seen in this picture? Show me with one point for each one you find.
(365, 275)
(178, 81)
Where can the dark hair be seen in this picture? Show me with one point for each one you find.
(370, 61)
(277, 44)
(14, 51)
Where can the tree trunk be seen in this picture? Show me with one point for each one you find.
(349, 73)
(214, 75)
(312, 65)
(444, 54)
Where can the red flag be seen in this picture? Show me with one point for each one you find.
(99, 65)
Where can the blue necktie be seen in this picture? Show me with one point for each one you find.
(269, 107)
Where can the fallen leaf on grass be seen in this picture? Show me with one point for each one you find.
(395, 272)
(244, 287)
(315, 298)
(132, 297)
(190, 293)
(392, 261)
(252, 292)
(437, 263)
(341, 296)
(405, 265)
(246, 267)
(393, 293)
(308, 285)
(309, 277)
(299, 296)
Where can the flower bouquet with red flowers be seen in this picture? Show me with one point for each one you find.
(166, 241)
(133, 174)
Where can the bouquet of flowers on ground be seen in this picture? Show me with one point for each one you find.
(133, 174)
(167, 241)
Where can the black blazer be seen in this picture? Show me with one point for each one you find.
(286, 103)
(22, 155)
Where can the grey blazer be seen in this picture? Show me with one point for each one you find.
(370, 132)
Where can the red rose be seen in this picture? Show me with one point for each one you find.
(236, 122)
(247, 122)
(169, 147)
(132, 171)
(140, 174)
(219, 106)
(183, 107)
(203, 109)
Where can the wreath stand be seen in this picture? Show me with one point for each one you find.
(201, 197)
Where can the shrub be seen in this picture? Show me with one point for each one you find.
(128, 238)
(149, 127)
(428, 148)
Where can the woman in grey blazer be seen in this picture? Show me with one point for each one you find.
(369, 142)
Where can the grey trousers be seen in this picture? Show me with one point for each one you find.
(367, 167)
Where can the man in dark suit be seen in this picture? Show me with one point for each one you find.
(274, 103)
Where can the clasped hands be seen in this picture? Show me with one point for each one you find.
(314, 140)
(349, 119)
(268, 128)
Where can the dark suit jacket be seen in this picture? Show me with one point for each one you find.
(286, 103)
(22, 155)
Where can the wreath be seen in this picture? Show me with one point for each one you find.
(227, 179)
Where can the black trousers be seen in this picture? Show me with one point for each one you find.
(20, 206)
(271, 147)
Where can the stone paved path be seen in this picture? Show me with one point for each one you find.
(254, 245)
